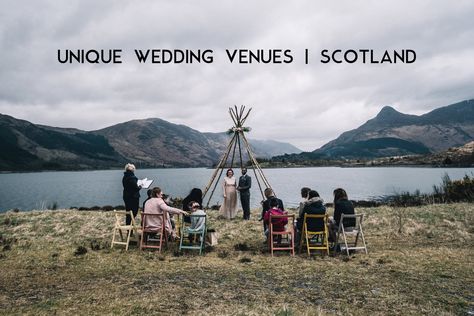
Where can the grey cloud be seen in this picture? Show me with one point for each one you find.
(306, 105)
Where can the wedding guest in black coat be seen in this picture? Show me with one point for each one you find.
(342, 205)
(315, 206)
(131, 191)
(196, 196)
(148, 193)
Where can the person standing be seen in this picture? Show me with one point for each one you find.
(131, 191)
(229, 206)
(245, 183)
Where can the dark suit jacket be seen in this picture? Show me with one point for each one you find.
(245, 182)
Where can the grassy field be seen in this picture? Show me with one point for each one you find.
(420, 261)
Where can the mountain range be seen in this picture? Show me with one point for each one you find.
(157, 143)
(148, 143)
(392, 133)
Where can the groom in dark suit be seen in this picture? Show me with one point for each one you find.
(245, 182)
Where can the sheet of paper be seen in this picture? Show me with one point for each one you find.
(145, 183)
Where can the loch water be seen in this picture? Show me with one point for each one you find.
(65, 189)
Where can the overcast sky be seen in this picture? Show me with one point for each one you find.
(306, 105)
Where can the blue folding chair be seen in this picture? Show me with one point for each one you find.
(195, 236)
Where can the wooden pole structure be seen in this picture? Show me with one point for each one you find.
(238, 116)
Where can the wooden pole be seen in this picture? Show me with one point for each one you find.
(220, 174)
(221, 162)
(255, 162)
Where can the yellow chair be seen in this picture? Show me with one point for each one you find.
(122, 228)
(315, 240)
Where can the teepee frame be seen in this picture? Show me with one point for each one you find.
(239, 141)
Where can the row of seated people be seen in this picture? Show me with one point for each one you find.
(155, 204)
(311, 204)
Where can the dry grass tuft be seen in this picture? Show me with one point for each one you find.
(419, 262)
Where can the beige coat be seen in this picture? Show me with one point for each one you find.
(158, 206)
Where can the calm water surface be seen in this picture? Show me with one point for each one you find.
(39, 190)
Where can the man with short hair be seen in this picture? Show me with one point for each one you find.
(245, 183)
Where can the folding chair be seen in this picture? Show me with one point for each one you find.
(312, 238)
(153, 237)
(120, 228)
(199, 234)
(288, 234)
(350, 231)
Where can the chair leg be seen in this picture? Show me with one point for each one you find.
(113, 238)
(292, 234)
(363, 239)
(326, 240)
(128, 239)
(345, 241)
(307, 244)
(336, 243)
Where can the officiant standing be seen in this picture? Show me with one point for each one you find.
(131, 191)
(245, 183)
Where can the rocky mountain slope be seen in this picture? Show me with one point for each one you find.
(392, 133)
(148, 143)
(26, 146)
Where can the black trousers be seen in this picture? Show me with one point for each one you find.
(245, 201)
(131, 204)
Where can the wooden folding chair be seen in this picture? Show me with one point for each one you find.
(120, 228)
(195, 234)
(354, 232)
(151, 236)
(314, 240)
(288, 234)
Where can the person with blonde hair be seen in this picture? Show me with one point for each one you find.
(131, 191)
(156, 205)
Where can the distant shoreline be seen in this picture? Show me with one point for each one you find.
(356, 165)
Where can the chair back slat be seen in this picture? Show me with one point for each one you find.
(158, 233)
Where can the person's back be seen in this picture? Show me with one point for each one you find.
(314, 206)
(197, 223)
(152, 207)
(194, 196)
(278, 223)
(344, 206)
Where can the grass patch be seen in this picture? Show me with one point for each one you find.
(422, 266)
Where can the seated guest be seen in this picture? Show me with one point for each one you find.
(194, 196)
(197, 223)
(304, 199)
(278, 223)
(342, 205)
(315, 206)
(156, 205)
(148, 193)
(266, 204)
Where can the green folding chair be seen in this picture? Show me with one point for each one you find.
(193, 238)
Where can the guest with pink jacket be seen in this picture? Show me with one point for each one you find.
(156, 205)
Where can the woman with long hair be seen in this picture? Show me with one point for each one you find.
(342, 205)
(229, 206)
